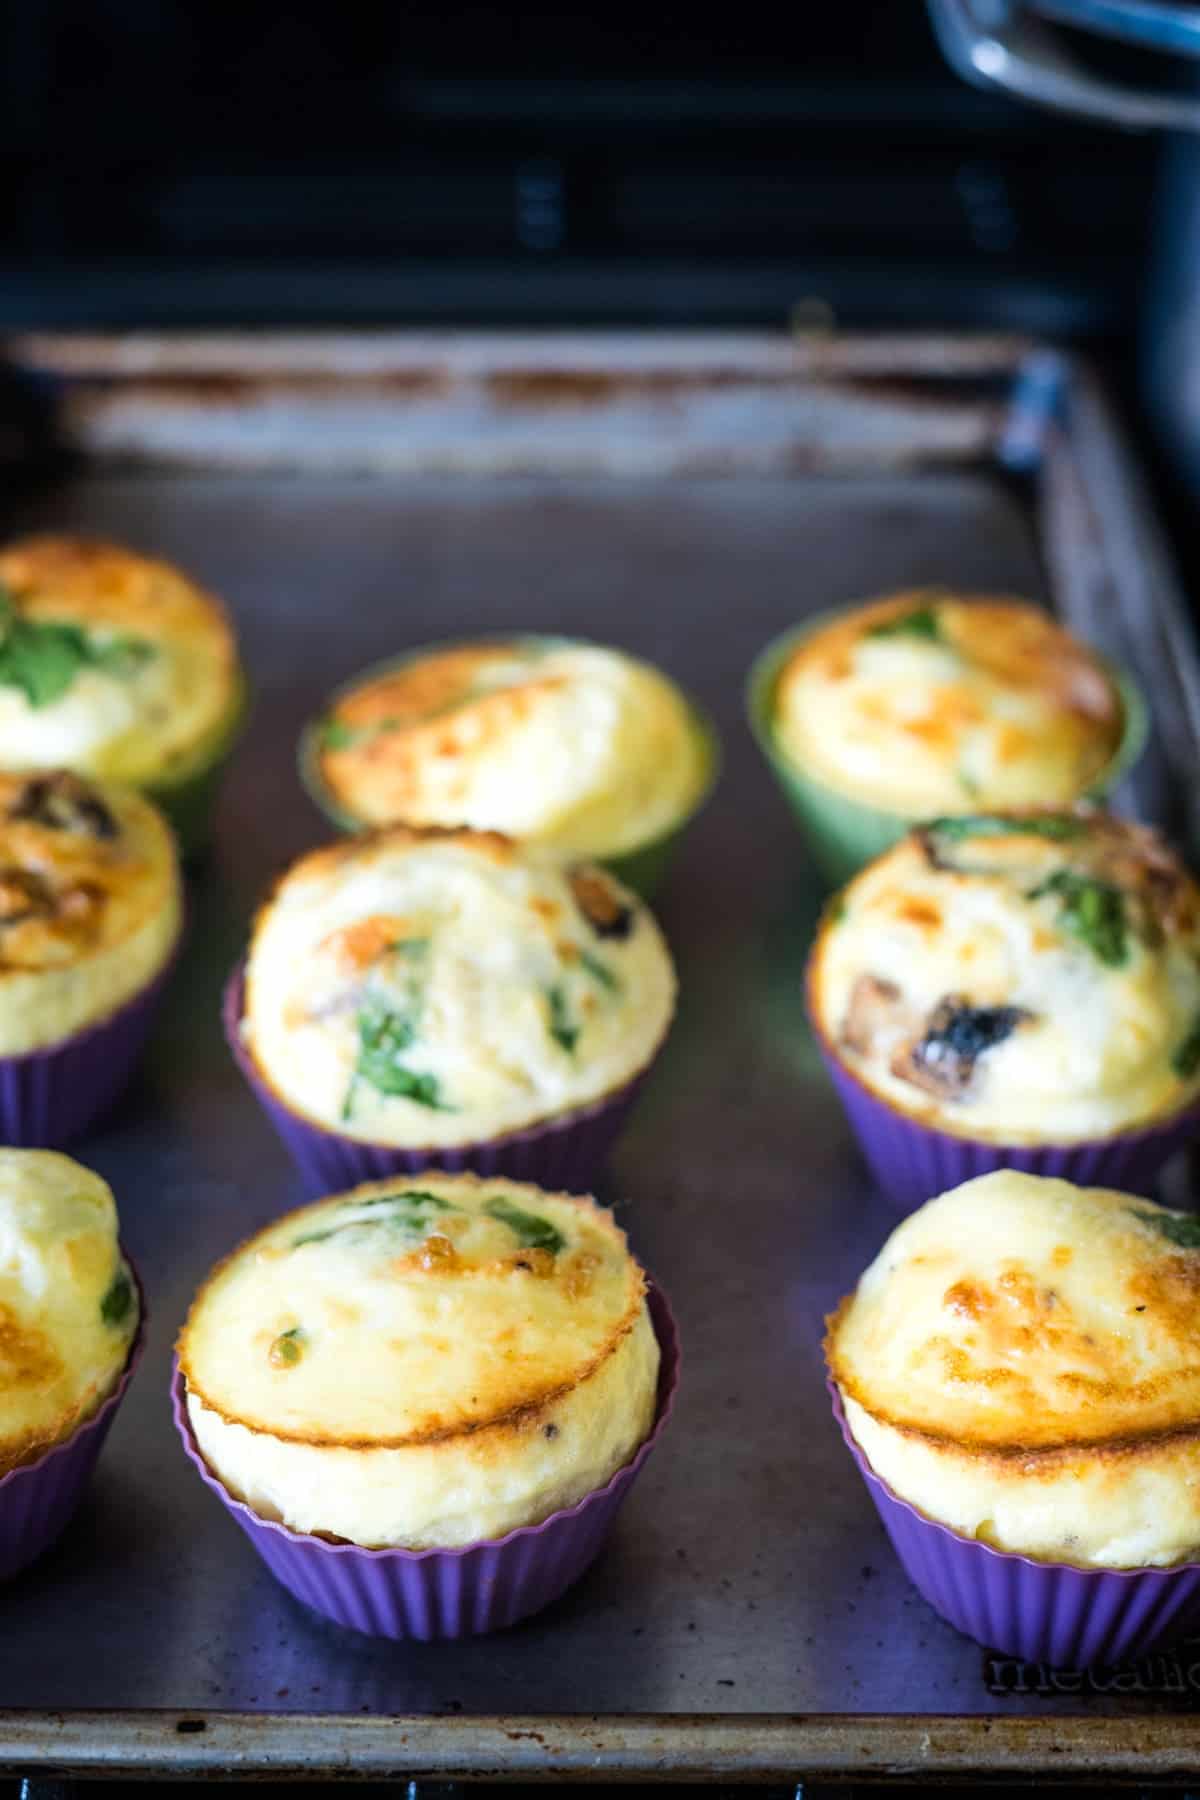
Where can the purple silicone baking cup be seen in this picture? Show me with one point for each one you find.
(432, 1594)
(50, 1097)
(564, 1154)
(38, 1499)
(1038, 1611)
(912, 1162)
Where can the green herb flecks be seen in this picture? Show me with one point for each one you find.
(287, 1349)
(562, 1026)
(385, 1032)
(1185, 1058)
(600, 971)
(383, 1037)
(921, 623)
(335, 734)
(531, 1231)
(117, 1302)
(1057, 828)
(410, 1212)
(1092, 911)
(1178, 1228)
(339, 734)
(120, 656)
(410, 949)
(41, 658)
(411, 1197)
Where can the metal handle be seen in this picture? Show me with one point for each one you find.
(996, 43)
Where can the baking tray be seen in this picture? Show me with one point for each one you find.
(686, 498)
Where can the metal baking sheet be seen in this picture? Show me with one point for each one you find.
(748, 1620)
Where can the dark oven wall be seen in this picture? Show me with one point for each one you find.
(166, 162)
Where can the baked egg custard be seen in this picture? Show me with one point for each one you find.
(423, 1363)
(1029, 977)
(68, 1303)
(428, 988)
(930, 702)
(565, 744)
(90, 903)
(1021, 1362)
(111, 663)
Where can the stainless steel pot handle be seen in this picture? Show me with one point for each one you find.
(999, 43)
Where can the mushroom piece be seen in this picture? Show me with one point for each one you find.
(64, 802)
(24, 895)
(955, 1035)
(600, 904)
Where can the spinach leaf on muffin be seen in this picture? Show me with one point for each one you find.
(921, 623)
(43, 657)
(531, 1232)
(412, 1211)
(1185, 1059)
(1092, 911)
(118, 1298)
(561, 1024)
(386, 1030)
(1178, 1228)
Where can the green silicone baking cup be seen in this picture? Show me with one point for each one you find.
(189, 796)
(642, 868)
(843, 834)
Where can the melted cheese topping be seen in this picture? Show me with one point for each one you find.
(1017, 987)
(90, 904)
(1022, 1362)
(442, 989)
(424, 1362)
(926, 703)
(68, 1306)
(554, 742)
(144, 680)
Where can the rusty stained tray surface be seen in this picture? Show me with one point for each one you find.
(748, 1618)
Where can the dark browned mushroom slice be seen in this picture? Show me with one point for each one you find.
(955, 1035)
(64, 803)
(600, 904)
(24, 895)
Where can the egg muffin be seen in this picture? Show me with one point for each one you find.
(423, 1364)
(1017, 978)
(90, 904)
(68, 1303)
(115, 665)
(1019, 1364)
(582, 749)
(931, 702)
(427, 989)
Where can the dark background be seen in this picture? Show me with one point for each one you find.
(223, 163)
(170, 163)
